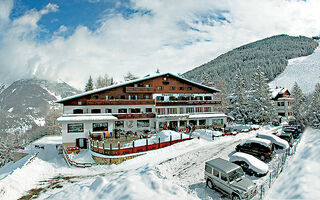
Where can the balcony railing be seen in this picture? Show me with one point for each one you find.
(140, 89)
(121, 102)
(135, 115)
(186, 103)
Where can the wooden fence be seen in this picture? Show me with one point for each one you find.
(100, 147)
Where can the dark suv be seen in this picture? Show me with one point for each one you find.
(294, 130)
(258, 147)
(286, 136)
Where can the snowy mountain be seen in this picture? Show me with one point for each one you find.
(26, 102)
(304, 70)
(270, 54)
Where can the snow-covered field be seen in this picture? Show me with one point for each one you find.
(174, 172)
(301, 180)
(304, 70)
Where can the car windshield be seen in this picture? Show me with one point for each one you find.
(234, 175)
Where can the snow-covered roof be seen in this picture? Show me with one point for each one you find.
(254, 163)
(81, 118)
(208, 115)
(134, 81)
(261, 141)
(274, 139)
(276, 91)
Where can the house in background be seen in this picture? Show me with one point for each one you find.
(283, 101)
(140, 105)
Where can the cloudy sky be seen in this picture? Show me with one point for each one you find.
(72, 39)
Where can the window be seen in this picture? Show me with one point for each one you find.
(147, 97)
(96, 111)
(164, 78)
(208, 98)
(135, 110)
(77, 111)
(181, 88)
(108, 110)
(181, 110)
(224, 177)
(289, 113)
(148, 85)
(143, 123)
(183, 123)
(79, 103)
(189, 88)
(207, 109)
(199, 109)
(208, 169)
(172, 110)
(280, 103)
(122, 110)
(107, 97)
(199, 98)
(161, 124)
(119, 124)
(160, 98)
(172, 98)
(161, 111)
(202, 122)
(215, 173)
(148, 110)
(217, 121)
(159, 87)
(75, 128)
(100, 126)
(193, 122)
(189, 110)
(122, 97)
(282, 114)
(95, 97)
(172, 88)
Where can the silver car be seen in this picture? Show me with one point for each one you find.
(229, 178)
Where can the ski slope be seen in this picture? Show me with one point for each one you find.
(304, 70)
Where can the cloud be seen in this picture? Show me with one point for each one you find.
(172, 36)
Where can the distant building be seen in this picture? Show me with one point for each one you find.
(153, 102)
(283, 101)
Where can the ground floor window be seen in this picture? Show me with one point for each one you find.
(75, 128)
(100, 126)
(161, 124)
(77, 111)
(282, 114)
(143, 123)
(217, 121)
(183, 123)
(193, 122)
(119, 124)
(202, 122)
(96, 111)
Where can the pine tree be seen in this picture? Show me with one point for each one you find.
(89, 85)
(129, 77)
(261, 107)
(239, 101)
(222, 95)
(299, 105)
(314, 108)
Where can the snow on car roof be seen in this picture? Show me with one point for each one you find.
(261, 141)
(254, 163)
(274, 139)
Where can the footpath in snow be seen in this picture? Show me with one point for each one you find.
(301, 180)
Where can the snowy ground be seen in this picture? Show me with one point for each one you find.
(301, 180)
(174, 172)
(304, 70)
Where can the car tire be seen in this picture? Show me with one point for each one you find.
(210, 184)
(235, 197)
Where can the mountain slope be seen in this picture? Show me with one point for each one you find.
(271, 54)
(304, 70)
(27, 102)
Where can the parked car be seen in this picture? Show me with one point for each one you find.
(286, 136)
(276, 141)
(258, 147)
(250, 164)
(229, 178)
(291, 129)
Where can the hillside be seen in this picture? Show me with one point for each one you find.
(304, 70)
(271, 54)
(26, 102)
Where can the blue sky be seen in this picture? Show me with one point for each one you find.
(73, 39)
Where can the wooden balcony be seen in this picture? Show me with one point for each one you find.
(135, 115)
(121, 102)
(186, 103)
(140, 89)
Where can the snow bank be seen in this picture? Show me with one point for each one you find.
(142, 183)
(206, 134)
(301, 180)
(254, 163)
(274, 139)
